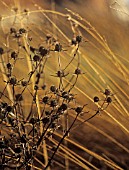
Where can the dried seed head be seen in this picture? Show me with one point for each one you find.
(65, 94)
(13, 81)
(78, 71)
(45, 120)
(32, 49)
(14, 55)
(45, 99)
(12, 30)
(9, 66)
(96, 99)
(36, 87)
(36, 58)
(33, 121)
(109, 100)
(24, 83)
(43, 51)
(1, 50)
(53, 89)
(63, 107)
(22, 30)
(79, 109)
(18, 35)
(107, 92)
(38, 75)
(78, 38)
(58, 47)
(44, 86)
(4, 105)
(9, 108)
(53, 103)
(74, 42)
(60, 73)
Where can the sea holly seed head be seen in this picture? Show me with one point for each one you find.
(17, 35)
(43, 51)
(32, 49)
(9, 108)
(77, 71)
(36, 58)
(53, 103)
(36, 87)
(79, 109)
(12, 30)
(13, 81)
(1, 50)
(22, 30)
(24, 83)
(4, 105)
(78, 38)
(109, 100)
(38, 75)
(63, 107)
(65, 94)
(32, 121)
(74, 42)
(59, 73)
(44, 86)
(53, 88)
(45, 120)
(14, 55)
(9, 66)
(107, 92)
(58, 47)
(45, 99)
(41, 48)
(96, 99)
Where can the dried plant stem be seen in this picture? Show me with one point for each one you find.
(5, 79)
(38, 107)
(62, 139)
(101, 132)
(74, 156)
(110, 164)
(112, 81)
(37, 100)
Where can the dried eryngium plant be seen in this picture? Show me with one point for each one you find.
(41, 71)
